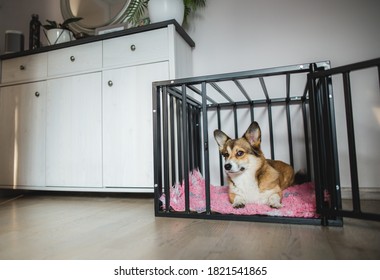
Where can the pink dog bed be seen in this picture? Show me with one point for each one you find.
(297, 201)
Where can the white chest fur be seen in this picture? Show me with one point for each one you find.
(246, 189)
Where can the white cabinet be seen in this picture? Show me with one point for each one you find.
(75, 60)
(22, 134)
(25, 68)
(140, 48)
(79, 117)
(74, 131)
(127, 125)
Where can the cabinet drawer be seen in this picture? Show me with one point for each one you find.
(31, 67)
(151, 46)
(75, 59)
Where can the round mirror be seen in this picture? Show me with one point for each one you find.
(95, 13)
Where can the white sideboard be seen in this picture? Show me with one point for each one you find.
(78, 116)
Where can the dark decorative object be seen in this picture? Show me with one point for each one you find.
(34, 32)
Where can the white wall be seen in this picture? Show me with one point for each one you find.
(16, 15)
(246, 34)
(249, 34)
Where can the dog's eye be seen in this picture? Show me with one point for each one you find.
(226, 155)
(239, 153)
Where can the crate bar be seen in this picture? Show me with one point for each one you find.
(352, 214)
(235, 121)
(317, 144)
(266, 72)
(177, 93)
(190, 137)
(270, 121)
(306, 91)
(335, 179)
(306, 134)
(172, 139)
(251, 218)
(185, 148)
(256, 103)
(198, 139)
(288, 120)
(218, 89)
(329, 195)
(193, 88)
(157, 152)
(351, 142)
(252, 111)
(206, 149)
(165, 132)
(348, 68)
(221, 169)
(242, 89)
(305, 101)
(244, 92)
(179, 139)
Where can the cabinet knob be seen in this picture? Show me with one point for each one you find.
(110, 83)
(133, 48)
(37, 94)
(22, 67)
(72, 58)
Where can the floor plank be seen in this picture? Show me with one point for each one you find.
(40, 226)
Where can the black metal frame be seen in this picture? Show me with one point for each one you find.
(181, 144)
(328, 194)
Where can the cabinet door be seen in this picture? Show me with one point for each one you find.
(73, 131)
(22, 134)
(127, 125)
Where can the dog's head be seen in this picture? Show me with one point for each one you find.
(243, 153)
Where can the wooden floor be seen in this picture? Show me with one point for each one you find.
(56, 226)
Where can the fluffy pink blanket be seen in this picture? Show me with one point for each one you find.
(298, 200)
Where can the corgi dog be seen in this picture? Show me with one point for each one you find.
(251, 177)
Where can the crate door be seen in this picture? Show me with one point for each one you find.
(345, 125)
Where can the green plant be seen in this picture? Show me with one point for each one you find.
(137, 8)
(64, 25)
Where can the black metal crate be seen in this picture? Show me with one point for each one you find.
(336, 142)
(187, 111)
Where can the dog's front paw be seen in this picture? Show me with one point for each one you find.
(275, 201)
(238, 202)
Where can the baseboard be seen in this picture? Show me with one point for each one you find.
(365, 193)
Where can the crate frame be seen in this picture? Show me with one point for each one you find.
(180, 109)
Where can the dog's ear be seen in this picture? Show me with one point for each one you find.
(220, 137)
(253, 135)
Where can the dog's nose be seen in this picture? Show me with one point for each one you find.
(228, 166)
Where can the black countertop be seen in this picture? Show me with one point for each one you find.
(96, 38)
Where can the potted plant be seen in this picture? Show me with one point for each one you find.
(160, 10)
(59, 32)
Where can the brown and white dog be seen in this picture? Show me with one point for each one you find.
(251, 177)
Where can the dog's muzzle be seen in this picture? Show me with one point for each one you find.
(228, 168)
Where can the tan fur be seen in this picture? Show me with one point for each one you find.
(252, 177)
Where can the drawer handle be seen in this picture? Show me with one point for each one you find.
(72, 58)
(133, 48)
(22, 67)
(37, 94)
(110, 83)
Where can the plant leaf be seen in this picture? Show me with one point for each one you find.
(191, 6)
(66, 23)
(51, 24)
(136, 10)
